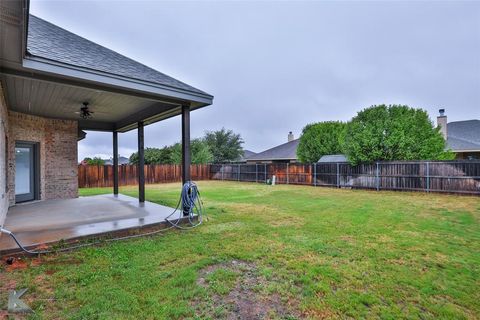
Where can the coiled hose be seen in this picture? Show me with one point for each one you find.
(190, 204)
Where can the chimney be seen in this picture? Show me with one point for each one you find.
(442, 123)
(290, 136)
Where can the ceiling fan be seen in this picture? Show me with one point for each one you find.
(85, 112)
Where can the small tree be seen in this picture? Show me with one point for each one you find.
(200, 152)
(173, 154)
(394, 132)
(319, 139)
(225, 145)
(96, 161)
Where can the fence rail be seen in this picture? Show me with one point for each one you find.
(102, 176)
(429, 176)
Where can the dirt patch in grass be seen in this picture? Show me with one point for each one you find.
(6, 284)
(236, 290)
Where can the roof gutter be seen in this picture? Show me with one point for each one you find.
(26, 15)
(466, 150)
(45, 66)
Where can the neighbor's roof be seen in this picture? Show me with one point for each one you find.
(464, 135)
(48, 41)
(333, 158)
(247, 154)
(121, 160)
(286, 151)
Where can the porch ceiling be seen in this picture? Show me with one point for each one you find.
(111, 111)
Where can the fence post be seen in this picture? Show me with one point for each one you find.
(238, 173)
(338, 175)
(377, 181)
(265, 173)
(428, 176)
(315, 174)
(288, 180)
(223, 169)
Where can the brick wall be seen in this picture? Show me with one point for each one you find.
(58, 153)
(3, 157)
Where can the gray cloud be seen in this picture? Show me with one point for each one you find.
(276, 66)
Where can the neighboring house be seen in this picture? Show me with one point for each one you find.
(246, 154)
(286, 153)
(463, 137)
(333, 158)
(121, 161)
(55, 84)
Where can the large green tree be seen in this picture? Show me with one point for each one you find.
(200, 152)
(319, 139)
(394, 132)
(225, 145)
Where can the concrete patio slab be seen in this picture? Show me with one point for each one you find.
(50, 221)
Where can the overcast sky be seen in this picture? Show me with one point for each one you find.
(274, 67)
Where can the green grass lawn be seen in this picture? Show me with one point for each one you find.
(283, 252)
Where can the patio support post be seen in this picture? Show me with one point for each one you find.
(186, 143)
(115, 162)
(141, 163)
(186, 160)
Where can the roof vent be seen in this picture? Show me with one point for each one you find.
(442, 112)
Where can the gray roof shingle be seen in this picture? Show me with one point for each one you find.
(286, 151)
(333, 158)
(48, 41)
(464, 135)
(247, 154)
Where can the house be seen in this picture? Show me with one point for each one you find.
(121, 161)
(54, 85)
(463, 137)
(246, 154)
(333, 158)
(284, 153)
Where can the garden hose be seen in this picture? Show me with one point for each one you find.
(189, 204)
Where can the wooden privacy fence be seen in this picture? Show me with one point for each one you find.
(429, 176)
(102, 176)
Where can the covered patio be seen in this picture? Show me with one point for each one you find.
(56, 85)
(47, 222)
